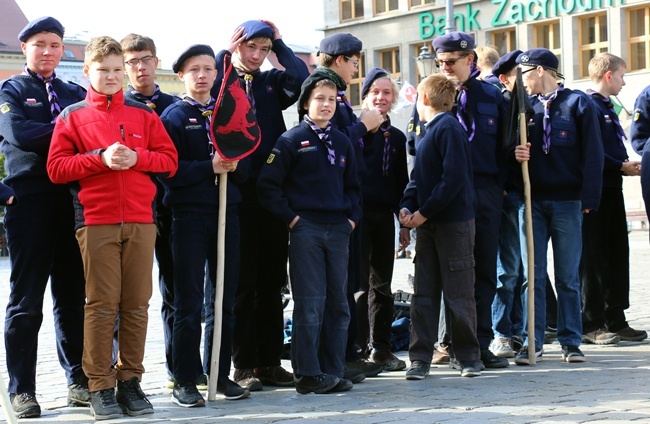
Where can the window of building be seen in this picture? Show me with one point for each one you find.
(68, 53)
(354, 88)
(389, 60)
(504, 41)
(548, 36)
(384, 6)
(416, 3)
(351, 9)
(639, 39)
(593, 40)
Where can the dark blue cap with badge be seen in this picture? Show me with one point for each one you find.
(372, 75)
(505, 63)
(194, 50)
(340, 44)
(455, 41)
(539, 57)
(254, 29)
(44, 24)
(306, 89)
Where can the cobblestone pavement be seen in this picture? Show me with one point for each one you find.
(613, 385)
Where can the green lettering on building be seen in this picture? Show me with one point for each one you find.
(432, 26)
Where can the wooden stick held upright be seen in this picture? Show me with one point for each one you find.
(528, 217)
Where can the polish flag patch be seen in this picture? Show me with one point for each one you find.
(30, 100)
(304, 143)
(193, 121)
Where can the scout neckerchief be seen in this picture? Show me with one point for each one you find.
(385, 129)
(206, 112)
(248, 84)
(324, 135)
(55, 108)
(148, 100)
(465, 118)
(546, 101)
(612, 114)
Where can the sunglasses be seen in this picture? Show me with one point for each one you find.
(448, 62)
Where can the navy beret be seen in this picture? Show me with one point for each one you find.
(340, 44)
(455, 41)
(539, 57)
(255, 29)
(194, 50)
(372, 75)
(46, 23)
(505, 63)
(306, 89)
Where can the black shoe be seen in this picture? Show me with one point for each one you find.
(355, 375)
(132, 399)
(370, 369)
(522, 356)
(572, 353)
(342, 386)
(231, 390)
(490, 360)
(418, 370)
(471, 369)
(187, 395)
(274, 376)
(103, 405)
(78, 394)
(25, 405)
(454, 364)
(387, 360)
(629, 334)
(318, 384)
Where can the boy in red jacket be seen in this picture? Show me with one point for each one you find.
(109, 148)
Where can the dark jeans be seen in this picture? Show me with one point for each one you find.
(354, 278)
(444, 265)
(163, 252)
(605, 265)
(374, 299)
(42, 246)
(318, 258)
(259, 325)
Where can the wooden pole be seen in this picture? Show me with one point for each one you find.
(218, 295)
(6, 403)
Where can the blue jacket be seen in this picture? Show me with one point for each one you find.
(640, 130)
(299, 180)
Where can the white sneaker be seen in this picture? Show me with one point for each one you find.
(502, 346)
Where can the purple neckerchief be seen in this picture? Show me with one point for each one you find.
(148, 100)
(385, 128)
(55, 108)
(206, 111)
(248, 85)
(613, 115)
(546, 101)
(324, 135)
(461, 99)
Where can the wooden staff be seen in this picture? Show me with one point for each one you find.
(6, 403)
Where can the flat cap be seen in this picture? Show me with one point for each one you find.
(194, 50)
(254, 29)
(340, 44)
(306, 89)
(43, 24)
(505, 63)
(372, 75)
(539, 57)
(455, 41)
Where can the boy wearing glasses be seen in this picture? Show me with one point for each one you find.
(481, 110)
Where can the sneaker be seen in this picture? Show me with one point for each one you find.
(187, 395)
(418, 370)
(342, 386)
(502, 347)
(470, 369)
(629, 334)
(455, 364)
(440, 354)
(103, 405)
(550, 334)
(517, 343)
(490, 360)
(355, 375)
(78, 394)
(132, 399)
(572, 354)
(202, 382)
(522, 356)
(370, 369)
(25, 405)
(231, 390)
(318, 384)
(274, 376)
(601, 337)
(389, 361)
(169, 383)
(246, 378)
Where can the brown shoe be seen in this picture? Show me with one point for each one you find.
(275, 376)
(245, 377)
(440, 355)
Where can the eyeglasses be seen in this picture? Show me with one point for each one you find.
(135, 62)
(528, 70)
(354, 61)
(448, 62)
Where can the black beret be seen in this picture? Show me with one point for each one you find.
(505, 63)
(306, 89)
(455, 41)
(539, 57)
(372, 75)
(46, 23)
(194, 50)
(254, 29)
(340, 44)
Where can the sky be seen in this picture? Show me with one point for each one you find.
(176, 26)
